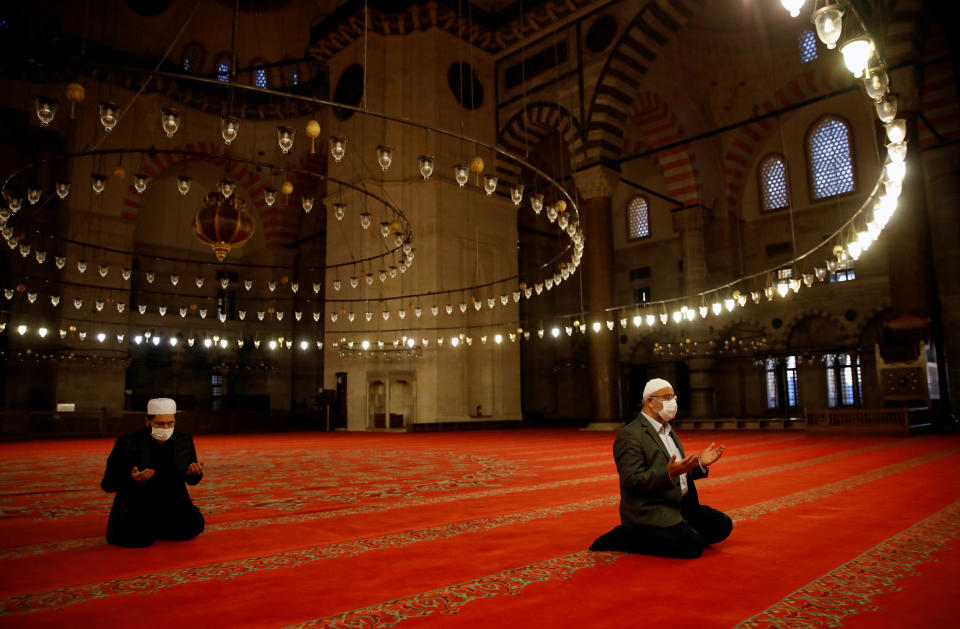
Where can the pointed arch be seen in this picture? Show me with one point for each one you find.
(525, 129)
(651, 29)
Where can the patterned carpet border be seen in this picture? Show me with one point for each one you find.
(848, 590)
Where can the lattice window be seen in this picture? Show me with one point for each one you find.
(808, 46)
(292, 74)
(773, 397)
(638, 218)
(790, 377)
(223, 69)
(259, 75)
(772, 175)
(192, 57)
(844, 380)
(830, 158)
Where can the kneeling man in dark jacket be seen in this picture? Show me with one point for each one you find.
(147, 469)
(660, 512)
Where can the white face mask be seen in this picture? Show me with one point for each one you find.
(161, 434)
(669, 410)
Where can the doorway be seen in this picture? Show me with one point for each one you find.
(391, 400)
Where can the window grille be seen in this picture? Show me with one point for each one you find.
(773, 183)
(808, 46)
(830, 158)
(638, 218)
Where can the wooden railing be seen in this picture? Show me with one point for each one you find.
(858, 417)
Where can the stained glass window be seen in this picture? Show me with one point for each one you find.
(808, 46)
(773, 183)
(638, 218)
(830, 158)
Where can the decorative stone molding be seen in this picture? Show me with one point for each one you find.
(596, 182)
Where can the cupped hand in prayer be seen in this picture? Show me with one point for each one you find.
(142, 476)
(195, 469)
(676, 468)
(712, 454)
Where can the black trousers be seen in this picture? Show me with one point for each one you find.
(143, 523)
(701, 526)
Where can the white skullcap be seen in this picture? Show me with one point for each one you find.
(161, 406)
(653, 386)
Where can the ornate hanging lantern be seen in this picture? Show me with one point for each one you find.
(536, 203)
(489, 184)
(109, 115)
(140, 183)
(226, 187)
(170, 121)
(183, 185)
(63, 189)
(384, 157)
(307, 203)
(339, 209)
(98, 182)
(229, 129)
(461, 174)
(285, 137)
(338, 147)
(516, 194)
(828, 19)
(223, 224)
(269, 197)
(426, 166)
(33, 195)
(46, 109)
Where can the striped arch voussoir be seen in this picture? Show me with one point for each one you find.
(659, 126)
(528, 127)
(280, 223)
(652, 28)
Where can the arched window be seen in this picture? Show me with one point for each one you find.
(808, 46)
(192, 57)
(830, 158)
(223, 68)
(258, 76)
(638, 218)
(291, 74)
(772, 177)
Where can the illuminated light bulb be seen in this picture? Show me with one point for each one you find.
(755, 296)
(223, 343)
(555, 332)
(896, 171)
(109, 115)
(365, 345)
(229, 129)
(795, 285)
(886, 108)
(304, 345)
(596, 326)
(489, 184)
(782, 289)
(897, 151)
(101, 337)
(876, 82)
(411, 343)
(138, 339)
(462, 174)
(155, 340)
(856, 54)
(272, 344)
(828, 21)
(808, 279)
(568, 329)
(864, 239)
(690, 314)
(793, 6)
(169, 121)
(854, 249)
(704, 311)
(637, 320)
(285, 138)
(896, 130)
(42, 332)
(173, 341)
(892, 188)
(821, 273)
(717, 308)
(498, 338)
(729, 304)
(21, 330)
(338, 147)
(677, 316)
(46, 109)
(384, 157)
(651, 320)
(664, 318)
(454, 341)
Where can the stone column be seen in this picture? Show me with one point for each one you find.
(689, 223)
(702, 391)
(596, 185)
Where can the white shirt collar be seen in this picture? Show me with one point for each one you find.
(662, 429)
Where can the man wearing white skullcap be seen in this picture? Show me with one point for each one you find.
(660, 512)
(147, 469)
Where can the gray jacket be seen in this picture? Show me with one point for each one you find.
(648, 495)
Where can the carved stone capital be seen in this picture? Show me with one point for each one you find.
(596, 182)
(689, 219)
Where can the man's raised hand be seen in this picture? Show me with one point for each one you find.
(712, 454)
(195, 469)
(141, 477)
(676, 468)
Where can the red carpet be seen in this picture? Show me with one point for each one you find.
(487, 529)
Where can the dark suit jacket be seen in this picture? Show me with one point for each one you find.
(134, 450)
(648, 495)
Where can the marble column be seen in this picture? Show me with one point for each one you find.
(595, 186)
